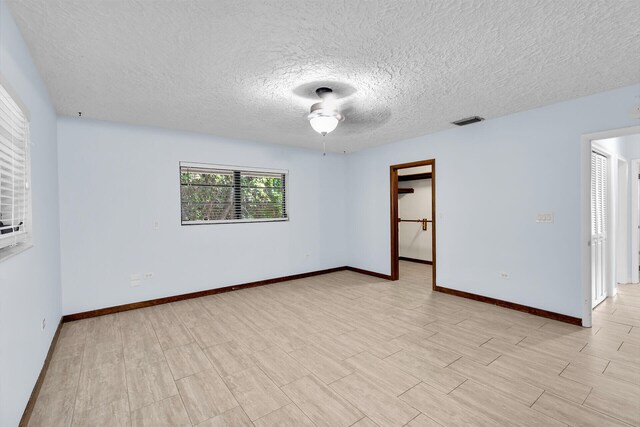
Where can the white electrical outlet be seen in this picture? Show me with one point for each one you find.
(544, 218)
(44, 323)
(148, 276)
(156, 225)
(504, 275)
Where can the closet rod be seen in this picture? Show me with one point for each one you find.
(424, 222)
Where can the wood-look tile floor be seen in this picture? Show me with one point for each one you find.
(345, 349)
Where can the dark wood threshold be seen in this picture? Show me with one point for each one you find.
(28, 410)
(512, 305)
(420, 261)
(165, 300)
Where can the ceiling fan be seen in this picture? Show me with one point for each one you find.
(339, 101)
(324, 116)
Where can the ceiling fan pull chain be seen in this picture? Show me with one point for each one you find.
(324, 147)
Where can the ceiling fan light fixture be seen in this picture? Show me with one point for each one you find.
(323, 118)
(324, 121)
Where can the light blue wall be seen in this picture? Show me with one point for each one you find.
(491, 180)
(630, 146)
(30, 281)
(116, 180)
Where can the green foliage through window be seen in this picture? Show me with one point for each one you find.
(216, 194)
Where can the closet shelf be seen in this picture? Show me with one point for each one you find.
(405, 190)
(415, 176)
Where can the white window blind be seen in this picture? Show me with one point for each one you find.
(15, 200)
(213, 194)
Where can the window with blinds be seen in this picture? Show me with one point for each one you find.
(212, 194)
(15, 198)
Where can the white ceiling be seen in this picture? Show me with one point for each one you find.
(247, 68)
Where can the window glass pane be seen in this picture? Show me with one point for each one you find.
(262, 196)
(206, 196)
(217, 194)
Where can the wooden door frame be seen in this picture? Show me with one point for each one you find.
(395, 252)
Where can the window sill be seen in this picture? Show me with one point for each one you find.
(6, 253)
(235, 221)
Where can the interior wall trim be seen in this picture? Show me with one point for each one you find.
(28, 410)
(420, 261)
(368, 273)
(512, 305)
(165, 300)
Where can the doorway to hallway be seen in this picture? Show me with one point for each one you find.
(614, 217)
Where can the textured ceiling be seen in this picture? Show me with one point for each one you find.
(247, 69)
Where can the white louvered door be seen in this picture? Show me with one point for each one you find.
(599, 226)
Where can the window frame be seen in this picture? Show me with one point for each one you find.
(232, 169)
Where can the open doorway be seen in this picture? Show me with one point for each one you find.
(611, 214)
(413, 226)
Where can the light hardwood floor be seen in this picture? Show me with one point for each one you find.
(345, 349)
